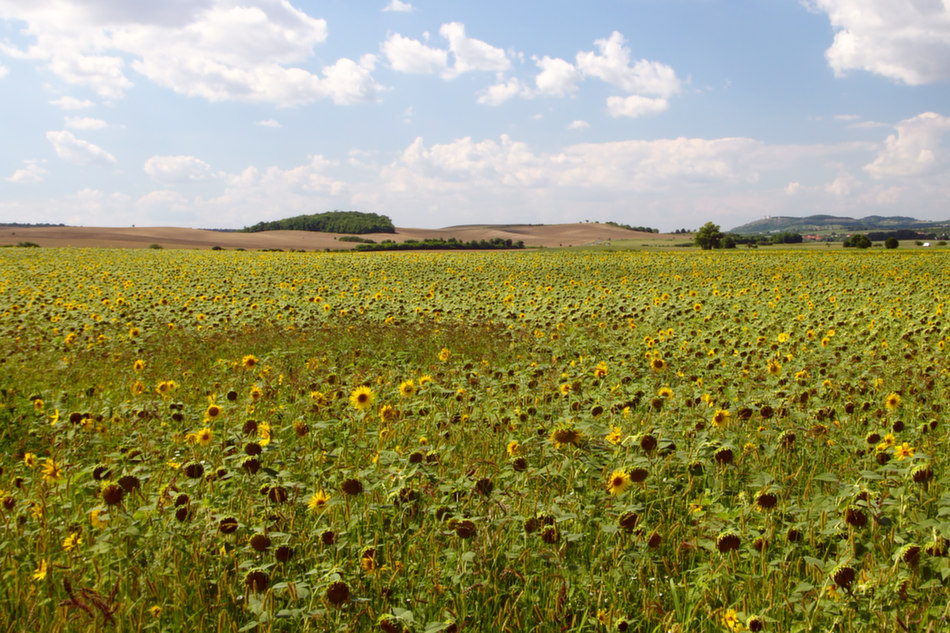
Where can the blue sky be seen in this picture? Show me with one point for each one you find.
(663, 113)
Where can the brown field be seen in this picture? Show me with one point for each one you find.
(548, 235)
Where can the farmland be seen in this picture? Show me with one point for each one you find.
(586, 441)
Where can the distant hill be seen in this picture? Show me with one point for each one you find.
(815, 223)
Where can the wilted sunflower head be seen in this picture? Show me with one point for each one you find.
(563, 436)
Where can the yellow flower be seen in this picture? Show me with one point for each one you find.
(212, 412)
(134, 332)
(665, 392)
(29, 460)
(38, 404)
(657, 364)
(95, 520)
(317, 501)
(600, 370)
(256, 392)
(774, 367)
(155, 611)
(614, 436)
(362, 398)
(731, 621)
(893, 401)
(204, 436)
(263, 431)
(444, 354)
(721, 417)
(138, 365)
(387, 413)
(425, 378)
(618, 481)
(904, 450)
(72, 541)
(565, 389)
(407, 388)
(51, 471)
(249, 361)
(564, 435)
(513, 448)
(137, 388)
(40, 572)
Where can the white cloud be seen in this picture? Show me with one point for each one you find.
(915, 149)
(904, 40)
(613, 66)
(214, 49)
(269, 123)
(178, 169)
(85, 123)
(31, 173)
(557, 78)
(471, 54)
(412, 56)
(500, 92)
(578, 125)
(793, 188)
(635, 106)
(78, 151)
(72, 103)
(398, 6)
(3, 71)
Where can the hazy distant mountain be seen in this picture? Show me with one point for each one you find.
(814, 223)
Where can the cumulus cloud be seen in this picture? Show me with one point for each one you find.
(216, 50)
(72, 103)
(32, 172)
(635, 106)
(78, 151)
(915, 149)
(85, 123)
(578, 125)
(398, 6)
(500, 92)
(269, 123)
(471, 54)
(178, 169)
(558, 78)
(904, 40)
(613, 65)
(412, 56)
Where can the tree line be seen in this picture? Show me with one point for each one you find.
(329, 222)
(441, 244)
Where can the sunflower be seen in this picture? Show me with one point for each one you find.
(903, 450)
(774, 367)
(893, 401)
(137, 388)
(721, 417)
(600, 370)
(138, 365)
(614, 436)
(29, 460)
(40, 572)
(513, 448)
(362, 398)
(249, 361)
(203, 437)
(72, 541)
(407, 388)
(51, 471)
(212, 412)
(618, 481)
(444, 354)
(665, 392)
(387, 413)
(566, 436)
(425, 378)
(317, 501)
(565, 389)
(256, 393)
(657, 364)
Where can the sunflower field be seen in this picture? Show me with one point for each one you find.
(474, 441)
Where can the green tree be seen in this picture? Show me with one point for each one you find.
(891, 242)
(708, 236)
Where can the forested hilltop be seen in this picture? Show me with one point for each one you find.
(353, 222)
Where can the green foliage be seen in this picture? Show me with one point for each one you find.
(642, 229)
(357, 239)
(496, 243)
(330, 222)
(891, 242)
(708, 236)
(155, 247)
(858, 240)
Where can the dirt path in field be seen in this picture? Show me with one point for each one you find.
(548, 235)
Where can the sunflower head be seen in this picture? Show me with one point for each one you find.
(362, 398)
